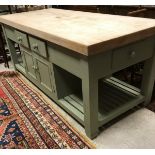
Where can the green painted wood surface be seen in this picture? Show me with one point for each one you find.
(148, 79)
(21, 64)
(21, 38)
(10, 46)
(44, 73)
(21, 69)
(40, 70)
(132, 54)
(90, 101)
(63, 58)
(30, 64)
(38, 46)
(79, 116)
(10, 33)
(103, 119)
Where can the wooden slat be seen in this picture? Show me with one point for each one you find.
(117, 91)
(113, 96)
(106, 118)
(73, 111)
(83, 32)
(77, 99)
(74, 103)
(125, 84)
(123, 87)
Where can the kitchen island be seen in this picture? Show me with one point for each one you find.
(72, 56)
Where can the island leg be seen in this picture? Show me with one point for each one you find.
(12, 49)
(90, 100)
(148, 79)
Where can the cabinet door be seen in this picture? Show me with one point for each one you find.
(44, 73)
(30, 65)
(20, 63)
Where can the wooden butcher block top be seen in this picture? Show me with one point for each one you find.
(82, 32)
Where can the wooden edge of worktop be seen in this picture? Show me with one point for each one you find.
(120, 41)
(80, 48)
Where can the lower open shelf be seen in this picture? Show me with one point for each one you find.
(74, 105)
(115, 98)
(20, 68)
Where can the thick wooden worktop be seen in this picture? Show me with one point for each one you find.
(82, 32)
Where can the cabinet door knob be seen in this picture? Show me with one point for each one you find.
(132, 54)
(35, 46)
(35, 67)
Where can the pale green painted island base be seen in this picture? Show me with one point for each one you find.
(84, 86)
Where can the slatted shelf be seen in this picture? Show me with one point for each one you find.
(111, 98)
(73, 104)
(115, 98)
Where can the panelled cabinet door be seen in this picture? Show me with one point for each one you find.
(44, 73)
(30, 65)
(21, 64)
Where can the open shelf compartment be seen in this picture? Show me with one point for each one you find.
(69, 92)
(20, 63)
(115, 96)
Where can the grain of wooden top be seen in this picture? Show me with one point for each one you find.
(82, 32)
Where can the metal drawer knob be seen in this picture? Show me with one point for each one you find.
(19, 39)
(35, 46)
(133, 54)
(35, 67)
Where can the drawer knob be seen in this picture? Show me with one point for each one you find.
(133, 54)
(35, 67)
(19, 39)
(35, 46)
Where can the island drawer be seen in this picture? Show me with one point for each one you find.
(21, 38)
(10, 33)
(38, 46)
(132, 54)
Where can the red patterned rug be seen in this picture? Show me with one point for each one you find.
(26, 120)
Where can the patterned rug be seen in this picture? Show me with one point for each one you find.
(26, 120)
